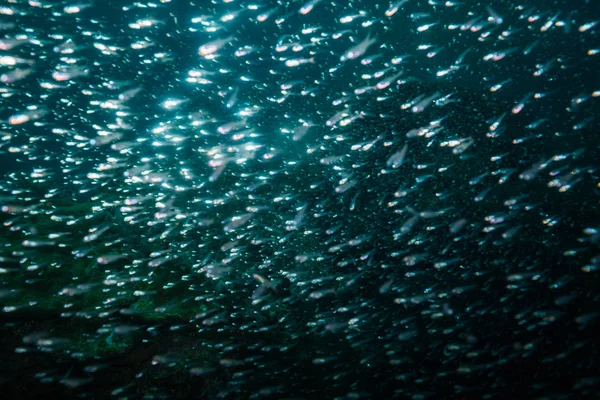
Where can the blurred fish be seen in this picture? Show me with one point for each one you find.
(336, 200)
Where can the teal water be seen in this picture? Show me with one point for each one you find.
(261, 219)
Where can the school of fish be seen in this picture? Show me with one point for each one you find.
(276, 199)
